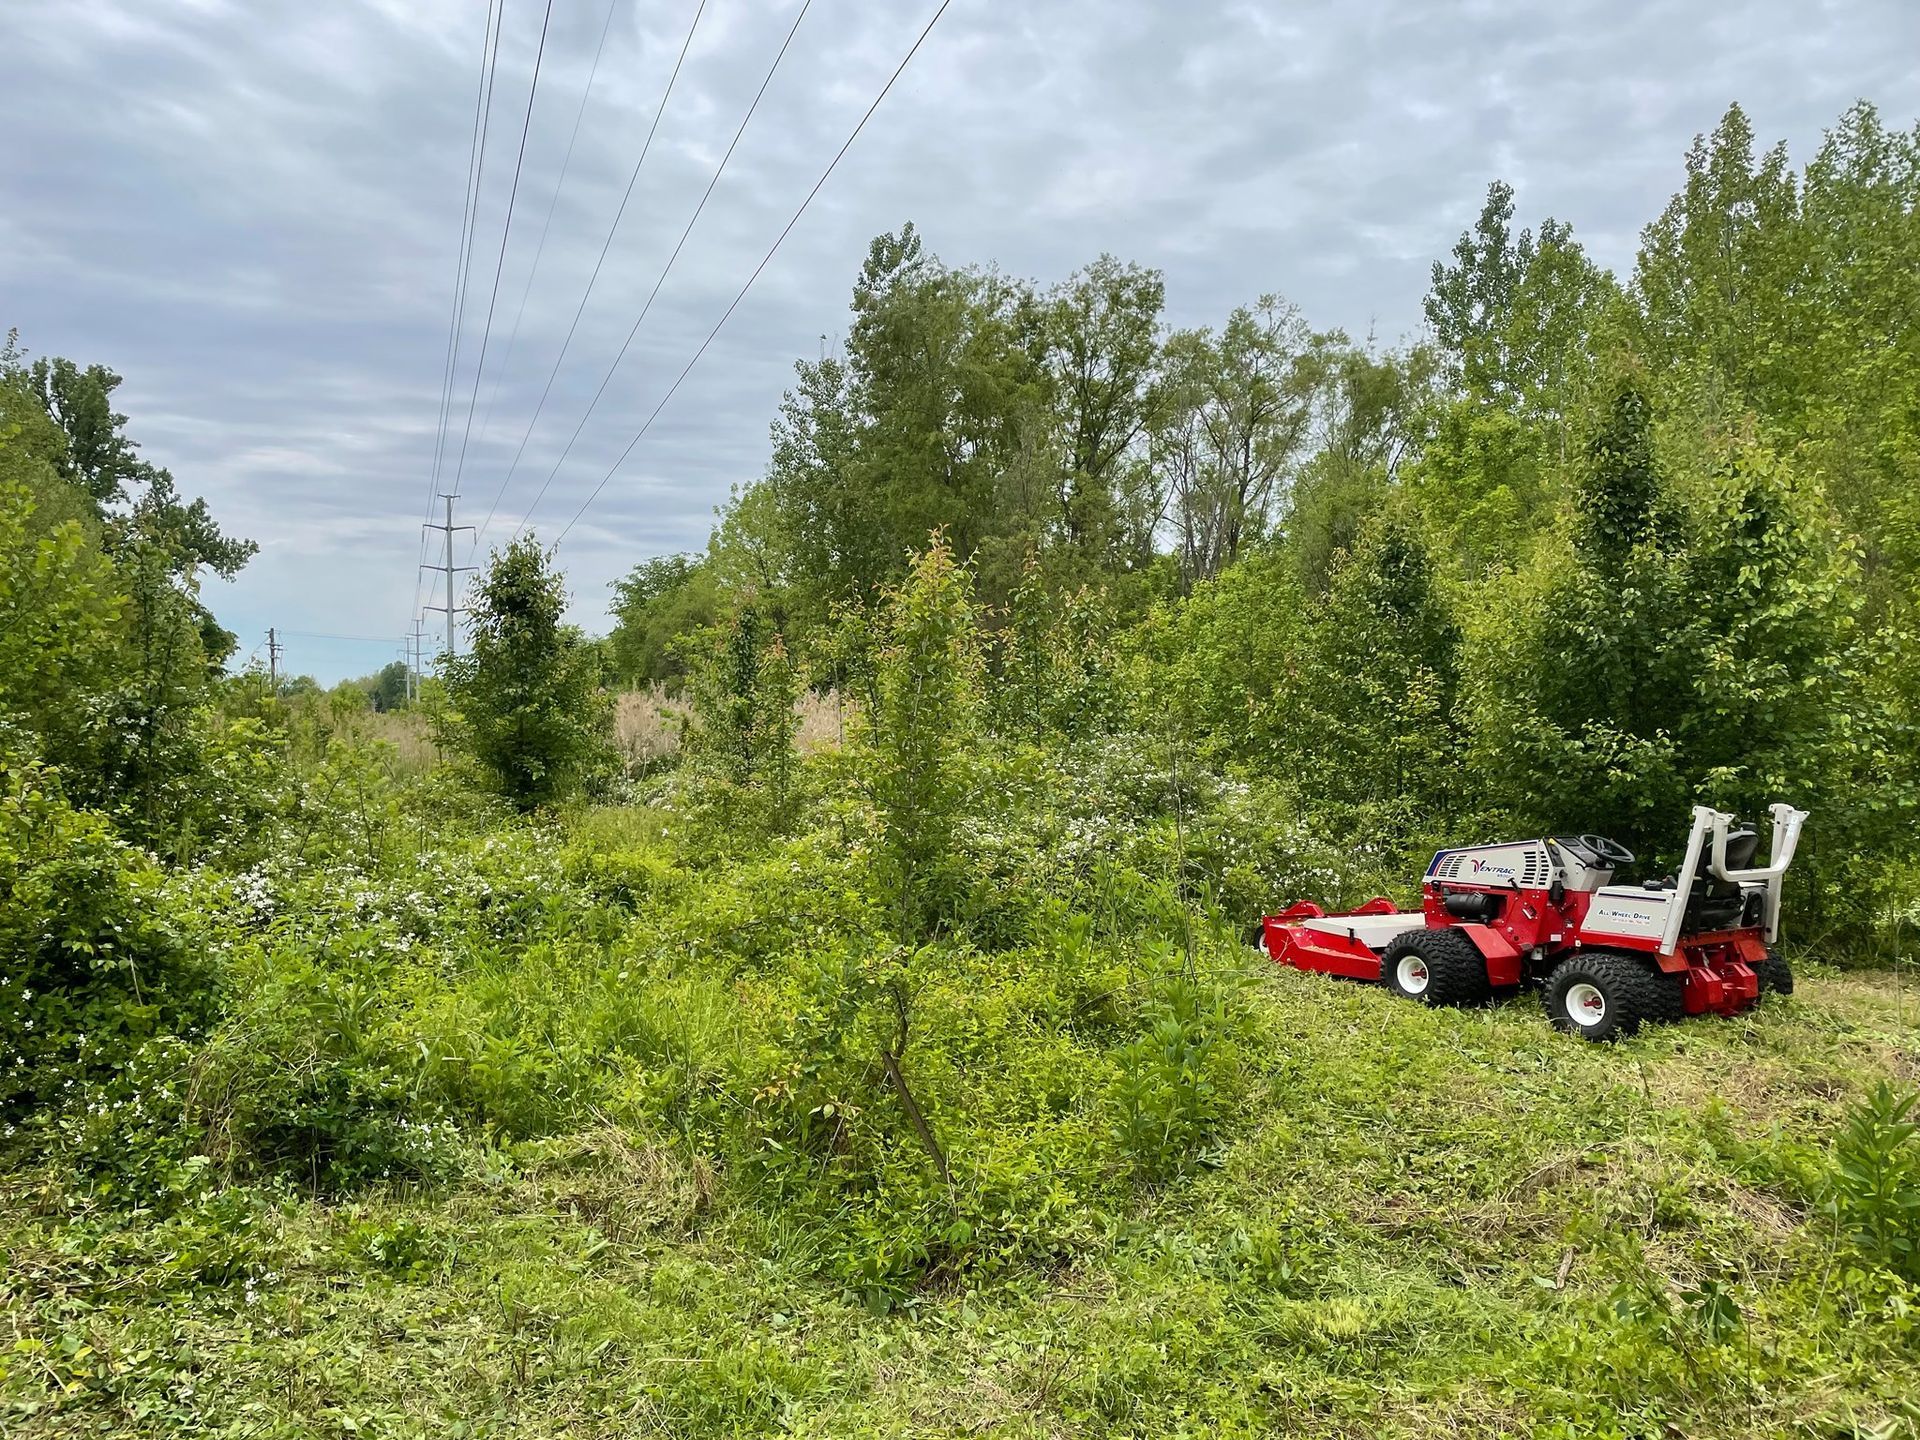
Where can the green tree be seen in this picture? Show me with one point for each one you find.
(1230, 664)
(1684, 638)
(1516, 316)
(128, 716)
(1484, 486)
(1370, 419)
(1381, 725)
(1579, 687)
(60, 605)
(914, 760)
(1103, 351)
(1716, 269)
(526, 703)
(388, 686)
(745, 687)
(137, 502)
(915, 747)
(1234, 416)
(946, 378)
(655, 604)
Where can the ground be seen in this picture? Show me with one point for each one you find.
(1424, 1222)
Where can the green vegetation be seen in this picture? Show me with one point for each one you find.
(921, 1080)
(526, 701)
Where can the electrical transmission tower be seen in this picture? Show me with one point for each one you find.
(273, 660)
(447, 532)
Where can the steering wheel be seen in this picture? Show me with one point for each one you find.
(1611, 851)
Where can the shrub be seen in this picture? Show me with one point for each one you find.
(744, 687)
(1873, 1187)
(91, 961)
(527, 702)
(307, 1079)
(1170, 1099)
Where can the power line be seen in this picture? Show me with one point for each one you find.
(540, 248)
(606, 245)
(476, 171)
(476, 164)
(506, 234)
(719, 170)
(320, 635)
(765, 260)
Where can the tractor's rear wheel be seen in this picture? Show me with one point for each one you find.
(1436, 967)
(1604, 994)
(1774, 974)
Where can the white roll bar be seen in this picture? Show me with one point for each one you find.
(1707, 845)
(1786, 836)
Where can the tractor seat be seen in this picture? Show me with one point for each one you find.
(1742, 845)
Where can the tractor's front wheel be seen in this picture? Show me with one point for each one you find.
(1604, 994)
(1436, 967)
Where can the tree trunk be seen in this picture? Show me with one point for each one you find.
(918, 1121)
(890, 1062)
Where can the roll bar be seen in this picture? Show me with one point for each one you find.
(1707, 847)
(1786, 836)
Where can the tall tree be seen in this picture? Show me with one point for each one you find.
(1370, 415)
(136, 738)
(526, 701)
(1103, 340)
(655, 604)
(1716, 271)
(1516, 318)
(1235, 418)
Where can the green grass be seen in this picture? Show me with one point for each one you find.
(1418, 1223)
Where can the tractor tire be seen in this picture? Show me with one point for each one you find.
(1436, 967)
(1605, 994)
(1774, 974)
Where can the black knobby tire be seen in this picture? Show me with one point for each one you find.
(1456, 973)
(1774, 974)
(1630, 989)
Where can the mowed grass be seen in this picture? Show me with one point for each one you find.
(1422, 1223)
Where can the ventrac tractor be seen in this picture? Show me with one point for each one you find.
(1607, 957)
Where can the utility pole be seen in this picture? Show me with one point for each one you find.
(413, 670)
(273, 660)
(450, 569)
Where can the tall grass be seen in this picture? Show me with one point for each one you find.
(648, 724)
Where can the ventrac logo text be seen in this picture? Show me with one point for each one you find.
(1488, 868)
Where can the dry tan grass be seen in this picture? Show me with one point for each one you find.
(823, 721)
(407, 731)
(648, 723)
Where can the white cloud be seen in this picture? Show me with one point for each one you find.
(251, 210)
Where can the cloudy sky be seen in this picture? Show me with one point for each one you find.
(252, 210)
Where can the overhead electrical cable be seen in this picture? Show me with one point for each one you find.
(476, 167)
(667, 269)
(540, 246)
(764, 261)
(506, 234)
(321, 635)
(606, 245)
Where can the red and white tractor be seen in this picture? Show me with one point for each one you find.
(1607, 957)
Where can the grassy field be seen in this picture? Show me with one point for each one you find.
(1417, 1223)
